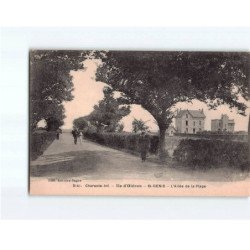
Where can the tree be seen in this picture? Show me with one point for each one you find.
(159, 80)
(109, 111)
(81, 123)
(120, 127)
(54, 116)
(51, 84)
(139, 126)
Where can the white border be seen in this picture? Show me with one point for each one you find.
(125, 13)
(16, 204)
(124, 235)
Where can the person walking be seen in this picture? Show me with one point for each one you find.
(75, 134)
(58, 131)
(144, 145)
(81, 136)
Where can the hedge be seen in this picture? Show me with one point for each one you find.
(212, 153)
(215, 136)
(127, 141)
(39, 141)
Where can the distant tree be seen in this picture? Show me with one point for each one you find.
(54, 116)
(139, 126)
(159, 80)
(81, 123)
(109, 111)
(120, 127)
(51, 84)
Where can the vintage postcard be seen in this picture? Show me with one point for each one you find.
(139, 123)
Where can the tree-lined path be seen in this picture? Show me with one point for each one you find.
(90, 161)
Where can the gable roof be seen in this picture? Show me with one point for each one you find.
(171, 127)
(193, 113)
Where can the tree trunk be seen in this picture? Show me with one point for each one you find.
(162, 151)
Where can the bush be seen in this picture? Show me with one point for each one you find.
(212, 153)
(216, 135)
(154, 143)
(39, 141)
(124, 140)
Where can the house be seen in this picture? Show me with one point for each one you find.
(189, 121)
(171, 131)
(223, 124)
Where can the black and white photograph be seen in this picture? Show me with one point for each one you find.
(157, 123)
(125, 125)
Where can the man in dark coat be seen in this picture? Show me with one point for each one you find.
(58, 132)
(144, 145)
(75, 135)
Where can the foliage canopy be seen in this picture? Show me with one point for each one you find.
(51, 84)
(108, 113)
(159, 80)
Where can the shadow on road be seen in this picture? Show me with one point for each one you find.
(65, 160)
(68, 164)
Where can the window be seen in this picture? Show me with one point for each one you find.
(194, 123)
(186, 115)
(186, 123)
(193, 130)
(200, 123)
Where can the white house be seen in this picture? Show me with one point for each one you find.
(189, 121)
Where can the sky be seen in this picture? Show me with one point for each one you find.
(87, 92)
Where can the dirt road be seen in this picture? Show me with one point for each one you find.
(90, 161)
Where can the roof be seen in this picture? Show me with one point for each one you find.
(193, 113)
(171, 127)
(229, 121)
